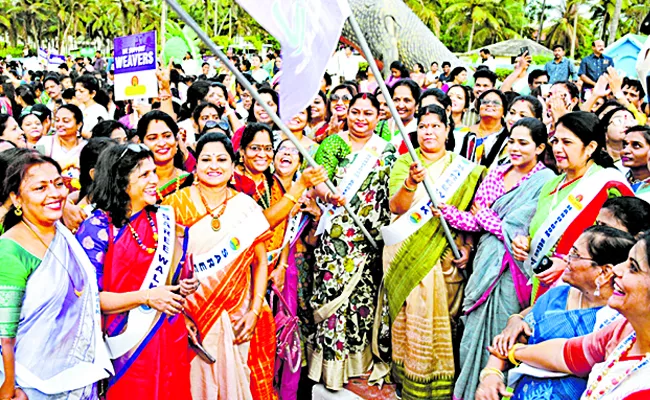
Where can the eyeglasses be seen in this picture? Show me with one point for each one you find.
(574, 256)
(345, 98)
(623, 121)
(486, 102)
(256, 148)
(291, 150)
(135, 147)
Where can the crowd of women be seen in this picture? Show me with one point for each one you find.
(189, 251)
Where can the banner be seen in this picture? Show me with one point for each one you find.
(135, 66)
(54, 60)
(308, 32)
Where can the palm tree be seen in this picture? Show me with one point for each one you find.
(569, 25)
(471, 12)
(613, 26)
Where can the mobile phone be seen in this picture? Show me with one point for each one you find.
(523, 50)
(546, 89)
(544, 264)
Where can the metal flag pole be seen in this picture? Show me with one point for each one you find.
(244, 82)
(389, 102)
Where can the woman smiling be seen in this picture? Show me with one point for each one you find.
(569, 203)
(423, 283)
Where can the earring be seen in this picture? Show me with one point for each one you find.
(597, 291)
(18, 211)
(196, 179)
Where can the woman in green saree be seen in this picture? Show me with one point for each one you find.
(423, 284)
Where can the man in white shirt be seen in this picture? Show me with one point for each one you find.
(432, 76)
(488, 60)
(349, 64)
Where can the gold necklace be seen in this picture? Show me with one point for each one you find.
(178, 185)
(215, 223)
(78, 293)
(264, 198)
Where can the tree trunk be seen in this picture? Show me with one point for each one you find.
(206, 15)
(163, 25)
(541, 22)
(613, 26)
(575, 31)
(215, 5)
(471, 37)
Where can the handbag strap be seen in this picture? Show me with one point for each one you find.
(275, 291)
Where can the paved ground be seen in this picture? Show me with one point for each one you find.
(356, 389)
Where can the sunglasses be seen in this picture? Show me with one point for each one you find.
(290, 150)
(216, 124)
(346, 98)
(135, 147)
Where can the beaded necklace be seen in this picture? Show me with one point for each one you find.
(611, 384)
(177, 177)
(149, 250)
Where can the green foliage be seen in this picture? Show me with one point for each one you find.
(11, 50)
(502, 73)
(541, 59)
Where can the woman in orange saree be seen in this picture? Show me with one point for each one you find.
(227, 231)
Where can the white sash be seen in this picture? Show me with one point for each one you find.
(293, 227)
(232, 245)
(364, 163)
(558, 220)
(419, 214)
(142, 318)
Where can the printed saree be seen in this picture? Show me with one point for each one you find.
(424, 291)
(242, 371)
(498, 286)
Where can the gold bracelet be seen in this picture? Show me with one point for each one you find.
(407, 188)
(515, 315)
(147, 300)
(257, 313)
(511, 354)
(283, 265)
(261, 296)
(290, 197)
(490, 371)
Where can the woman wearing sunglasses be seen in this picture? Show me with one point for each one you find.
(337, 112)
(138, 260)
(228, 311)
(158, 132)
(360, 161)
(615, 122)
(486, 141)
(48, 289)
(570, 202)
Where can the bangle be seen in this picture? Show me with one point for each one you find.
(407, 188)
(490, 371)
(257, 313)
(515, 315)
(261, 297)
(511, 354)
(147, 301)
(283, 265)
(290, 197)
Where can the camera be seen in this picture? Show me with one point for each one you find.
(544, 264)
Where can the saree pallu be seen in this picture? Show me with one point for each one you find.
(173, 186)
(424, 291)
(242, 371)
(551, 320)
(60, 323)
(498, 286)
(158, 367)
(550, 199)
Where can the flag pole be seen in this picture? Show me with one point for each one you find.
(183, 15)
(407, 141)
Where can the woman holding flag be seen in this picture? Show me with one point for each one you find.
(423, 283)
(569, 203)
(358, 162)
(138, 258)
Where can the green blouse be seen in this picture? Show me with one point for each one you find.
(330, 153)
(16, 267)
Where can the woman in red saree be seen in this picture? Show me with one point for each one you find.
(227, 231)
(134, 249)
